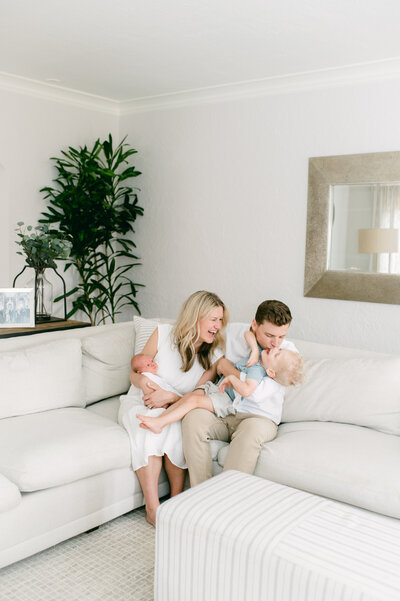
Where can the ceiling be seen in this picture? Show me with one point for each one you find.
(128, 49)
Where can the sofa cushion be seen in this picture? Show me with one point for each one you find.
(143, 330)
(9, 494)
(108, 408)
(107, 362)
(46, 376)
(362, 391)
(48, 449)
(344, 462)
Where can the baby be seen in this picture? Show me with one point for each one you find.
(261, 393)
(145, 364)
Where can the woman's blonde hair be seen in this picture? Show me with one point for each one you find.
(186, 330)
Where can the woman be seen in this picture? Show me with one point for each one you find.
(186, 354)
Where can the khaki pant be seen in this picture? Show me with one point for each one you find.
(245, 431)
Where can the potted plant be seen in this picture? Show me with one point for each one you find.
(94, 209)
(41, 248)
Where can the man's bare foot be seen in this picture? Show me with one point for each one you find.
(150, 423)
(151, 516)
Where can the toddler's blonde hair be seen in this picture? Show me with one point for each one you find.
(292, 372)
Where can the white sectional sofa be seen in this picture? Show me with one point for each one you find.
(65, 461)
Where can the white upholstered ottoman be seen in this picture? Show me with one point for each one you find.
(241, 538)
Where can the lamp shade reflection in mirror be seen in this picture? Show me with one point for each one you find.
(364, 229)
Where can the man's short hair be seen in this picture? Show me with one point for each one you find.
(273, 311)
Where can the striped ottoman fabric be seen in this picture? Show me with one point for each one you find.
(241, 538)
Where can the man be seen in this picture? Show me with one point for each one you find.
(245, 432)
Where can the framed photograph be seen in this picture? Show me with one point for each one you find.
(17, 307)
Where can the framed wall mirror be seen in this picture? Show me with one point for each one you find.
(353, 225)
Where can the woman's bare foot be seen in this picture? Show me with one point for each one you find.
(150, 423)
(151, 515)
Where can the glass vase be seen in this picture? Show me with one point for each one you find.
(43, 295)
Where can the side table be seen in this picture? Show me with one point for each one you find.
(50, 326)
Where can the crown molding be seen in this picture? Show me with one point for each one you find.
(45, 91)
(284, 84)
(294, 82)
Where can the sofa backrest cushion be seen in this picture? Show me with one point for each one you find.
(47, 376)
(107, 362)
(143, 328)
(360, 390)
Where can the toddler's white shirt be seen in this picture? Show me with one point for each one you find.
(266, 400)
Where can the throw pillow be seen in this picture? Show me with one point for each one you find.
(143, 330)
(107, 361)
(361, 391)
(47, 376)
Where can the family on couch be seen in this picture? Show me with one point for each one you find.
(189, 357)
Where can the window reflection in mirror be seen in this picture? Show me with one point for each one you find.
(364, 228)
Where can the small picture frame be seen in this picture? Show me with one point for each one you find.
(17, 307)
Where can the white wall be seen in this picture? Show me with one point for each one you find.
(224, 188)
(33, 130)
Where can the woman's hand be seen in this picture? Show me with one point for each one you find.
(155, 397)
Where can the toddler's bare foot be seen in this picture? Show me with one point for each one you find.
(150, 423)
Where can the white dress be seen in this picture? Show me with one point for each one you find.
(143, 442)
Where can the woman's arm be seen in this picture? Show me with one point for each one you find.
(150, 348)
(209, 375)
(226, 368)
(153, 395)
(159, 398)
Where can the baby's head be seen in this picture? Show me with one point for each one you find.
(286, 367)
(141, 363)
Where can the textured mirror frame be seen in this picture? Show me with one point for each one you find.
(319, 282)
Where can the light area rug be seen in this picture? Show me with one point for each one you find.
(113, 563)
